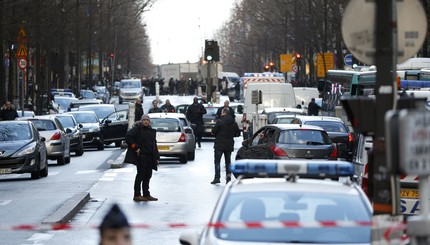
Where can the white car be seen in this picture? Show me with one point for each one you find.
(288, 203)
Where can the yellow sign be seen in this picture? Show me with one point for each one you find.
(22, 51)
(286, 62)
(325, 64)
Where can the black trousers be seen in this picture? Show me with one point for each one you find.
(199, 132)
(143, 176)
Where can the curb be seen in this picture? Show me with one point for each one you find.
(118, 162)
(69, 209)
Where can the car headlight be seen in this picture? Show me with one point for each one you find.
(26, 150)
(94, 130)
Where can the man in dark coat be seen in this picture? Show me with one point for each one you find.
(155, 107)
(138, 110)
(8, 112)
(313, 108)
(224, 130)
(194, 114)
(142, 151)
(167, 107)
(226, 106)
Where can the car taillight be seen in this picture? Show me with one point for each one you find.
(333, 154)
(188, 131)
(182, 138)
(56, 136)
(277, 151)
(350, 138)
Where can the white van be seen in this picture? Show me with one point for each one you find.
(130, 90)
(228, 82)
(304, 96)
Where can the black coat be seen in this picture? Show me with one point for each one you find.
(313, 109)
(225, 130)
(143, 138)
(155, 110)
(218, 112)
(8, 114)
(168, 108)
(195, 113)
(138, 112)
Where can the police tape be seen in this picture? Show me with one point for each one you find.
(219, 225)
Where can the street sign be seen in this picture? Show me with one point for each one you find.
(347, 60)
(414, 132)
(359, 28)
(22, 51)
(256, 97)
(294, 68)
(324, 63)
(22, 63)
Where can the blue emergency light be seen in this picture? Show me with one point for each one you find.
(304, 168)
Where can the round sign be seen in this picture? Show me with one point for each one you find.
(22, 63)
(347, 60)
(358, 29)
(294, 68)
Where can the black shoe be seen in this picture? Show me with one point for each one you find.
(200, 146)
(215, 181)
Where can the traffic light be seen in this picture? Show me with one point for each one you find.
(111, 55)
(298, 58)
(211, 50)
(266, 68)
(272, 66)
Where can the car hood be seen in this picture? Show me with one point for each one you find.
(8, 148)
(131, 90)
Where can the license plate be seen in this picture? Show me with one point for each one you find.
(84, 136)
(409, 193)
(5, 170)
(163, 148)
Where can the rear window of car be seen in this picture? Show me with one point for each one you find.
(329, 126)
(166, 124)
(294, 207)
(85, 118)
(66, 121)
(304, 137)
(43, 125)
(11, 132)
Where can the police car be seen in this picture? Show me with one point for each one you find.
(290, 202)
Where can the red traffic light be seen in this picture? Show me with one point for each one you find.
(111, 55)
(298, 56)
(271, 64)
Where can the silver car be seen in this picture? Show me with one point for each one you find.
(171, 137)
(188, 129)
(57, 142)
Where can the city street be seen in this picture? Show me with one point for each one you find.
(184, 191)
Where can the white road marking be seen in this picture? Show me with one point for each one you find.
(40, 237)
(87, 171)
(4, 202)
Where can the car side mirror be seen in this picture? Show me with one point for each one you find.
(43, 139)
(108, 121)
(68, 130)
(80, 125)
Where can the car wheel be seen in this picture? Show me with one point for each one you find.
(36, 173)
(67, 159)
(44, 171)
(101, 145)
(80, 152)
(183, 158)
(118, 143)
(61, 160)
(191, 155)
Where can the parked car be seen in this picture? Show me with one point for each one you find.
(101, 110)
(87, 94)
(22, 149)
(102, 93)
(209, 119)
(114, 127)
(130, 90)
(73, 130)
(285, 141)
(337, 130)
(91, 132)
(283, 119)
(272, 113)
(57, 141)
(64, 102)
(62, 92)
(171, 137)
(188, 129)
(26, 113)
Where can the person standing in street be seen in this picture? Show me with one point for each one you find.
(155, 107)
(313, 108)
(226, 106)
(224, 131)
(143, 152)
(8, 112)
(138, 110)
(194, 114)
(115, 229)
(167, 107)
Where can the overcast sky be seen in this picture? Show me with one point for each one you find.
(177, 29)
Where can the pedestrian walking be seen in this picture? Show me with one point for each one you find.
(194, 114)
(8, 112)
(224, 131)
(155, 107)
(237, 91)
(138, 110)
(313, 108)
(142, 151)
(167, 107)
(226, 106)
(115, 229)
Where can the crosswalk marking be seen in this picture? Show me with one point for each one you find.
(87, 171)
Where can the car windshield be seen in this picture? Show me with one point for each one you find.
(85, 117)
(101, 111)
(166, 124)
(130, 84)
(304, 137)
(329, 126)
(211, 110)
(283, 120)
(294, 207)
(44, 124)
(66, 121)
(64, 103)
(11, 132)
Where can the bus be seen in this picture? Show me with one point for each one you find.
(339, 83)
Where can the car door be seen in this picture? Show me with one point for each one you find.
(257, 147)
(115, 126)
